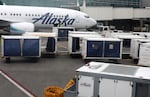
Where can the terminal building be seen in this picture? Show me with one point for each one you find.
(129, 15)
(58, 3)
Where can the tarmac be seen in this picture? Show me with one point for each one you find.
(35, 76)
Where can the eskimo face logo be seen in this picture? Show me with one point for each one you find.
(85, 85)
(49, 18)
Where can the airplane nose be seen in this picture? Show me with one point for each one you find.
(92, 22)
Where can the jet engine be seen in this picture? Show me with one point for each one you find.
(20, 28)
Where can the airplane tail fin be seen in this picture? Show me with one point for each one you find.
(2, 3)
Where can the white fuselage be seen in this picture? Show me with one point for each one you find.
(46, 17)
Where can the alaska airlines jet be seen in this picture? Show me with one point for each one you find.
(27, 19)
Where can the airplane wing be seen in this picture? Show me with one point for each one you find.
(6, 22)
(9, 20)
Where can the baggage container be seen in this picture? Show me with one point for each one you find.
(75, 41)
(102, 48)
(62, 32)
(112, 80)
(48, 41)
(142, 34)
(126, 38)
(83, 32)
(25, 46)
(135, 47)
(144, 54)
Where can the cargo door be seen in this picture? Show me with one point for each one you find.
(12, 47)
(50, 47)
(63, 33)
(107, 88)
(112, 49)
(31, 47)
(75, 44)
(123, 89)
(85, 86)
(94, 48)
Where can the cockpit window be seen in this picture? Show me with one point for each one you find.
(86, 16)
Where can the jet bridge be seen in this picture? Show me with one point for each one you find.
(114, 13)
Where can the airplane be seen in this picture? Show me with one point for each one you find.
(20, 19)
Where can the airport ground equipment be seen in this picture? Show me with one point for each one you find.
(126, 37)
(135, 48)
(104, 30)
(68, 91)
(142, 34)
(101, 48)
(48, 41)
(144, 54)
(75, 41)
(62, 32)
(97, 79)
(70, 88)
(82, 32)
(71, 91)
(25, 46)
(53, 91)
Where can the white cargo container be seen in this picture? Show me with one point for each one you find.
(75, 41)
(48, 41)
(62, 32)
(126, 37)
(135, 47)
(82, 32)
(144, 54)
(97, 79)
(102, 48)
(26, 46)
(142, 34)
